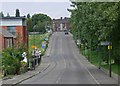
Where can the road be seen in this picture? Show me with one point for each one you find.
(68, 66)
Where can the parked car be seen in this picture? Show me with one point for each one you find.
(66, 33)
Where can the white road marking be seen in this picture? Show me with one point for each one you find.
(87, 70)
(92, 76)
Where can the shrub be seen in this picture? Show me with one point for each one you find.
(23, 67)
(11, 59)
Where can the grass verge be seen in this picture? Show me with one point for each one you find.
(39, 38)
(92, 56)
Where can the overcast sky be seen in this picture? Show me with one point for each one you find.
(54, 9)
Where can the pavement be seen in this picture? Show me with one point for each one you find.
(20, 78)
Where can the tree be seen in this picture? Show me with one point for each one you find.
(1, 14)
(28, 16)
(12, 55)
(29, 24)
(41, 27)
(41, 20)
(96, 22)
(17, 13)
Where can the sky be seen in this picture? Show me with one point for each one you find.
(54, 9)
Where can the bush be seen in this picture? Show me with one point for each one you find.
(23, 67)
(11, 60)
(10, 70)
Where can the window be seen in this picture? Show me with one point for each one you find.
(8, 42)
(12, 30)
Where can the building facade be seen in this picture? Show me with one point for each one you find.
(16, 26)
(61, 24)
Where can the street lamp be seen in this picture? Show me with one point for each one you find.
(99, 55)
(99, 52)
(35, 26)
(110, 48)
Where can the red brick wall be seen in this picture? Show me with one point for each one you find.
(25, 35)
(19, 33)
(2, 44)
(22, 34)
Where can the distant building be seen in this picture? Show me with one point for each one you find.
(61, 24)
(16, 26)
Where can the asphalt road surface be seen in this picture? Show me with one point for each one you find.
(68, 66)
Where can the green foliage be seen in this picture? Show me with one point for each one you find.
(41, 20)
(28, 16)
(11, 59)
(23, 67)
(9, 62)
(1, 14)
(40, 17)
(41, 27)
(96, 22)
(29, 24)
(38, 41)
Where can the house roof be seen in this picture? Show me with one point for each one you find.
(5, 33)
(65, 20)
(13, 17)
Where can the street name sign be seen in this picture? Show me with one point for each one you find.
(105, 43)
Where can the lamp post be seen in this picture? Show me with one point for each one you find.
(34, 45)
(110, 48)
(99, 52)
(99, 55)
(35, 26)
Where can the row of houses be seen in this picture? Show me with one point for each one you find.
(13, 30)
(61, 24)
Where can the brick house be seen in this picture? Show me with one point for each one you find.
(61, 24)
(17, 27)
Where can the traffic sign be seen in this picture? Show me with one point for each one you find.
(105, 43)
(46, 39)
(34, 47)
(109, 47)
(78, 42)
(43, 45)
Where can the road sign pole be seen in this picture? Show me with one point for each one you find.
(34, 60)
(110, 62)
(99, 57)
(110, 68)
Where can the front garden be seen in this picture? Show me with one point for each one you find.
(11, 58)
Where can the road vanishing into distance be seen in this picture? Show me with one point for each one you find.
(68, 66)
